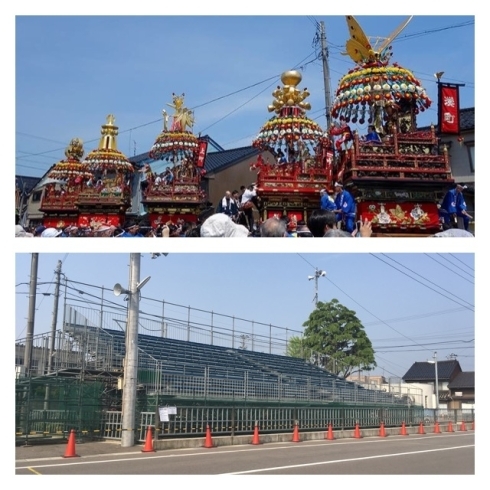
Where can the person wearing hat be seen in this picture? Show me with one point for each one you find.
(326, 201)
(453, 206)
(131, 230)
(39, 230)
(345, 208)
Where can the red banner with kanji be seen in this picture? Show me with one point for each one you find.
(201, 156)
(448, 109)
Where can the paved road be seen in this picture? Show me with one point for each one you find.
(429, 454)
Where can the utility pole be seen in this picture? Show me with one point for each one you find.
(31, 315)
(53, 332)
(54, 317)
(326, 73)
(131, 357)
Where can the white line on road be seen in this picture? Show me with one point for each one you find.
(345, 460)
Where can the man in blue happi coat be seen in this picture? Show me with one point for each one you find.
(453, 206)
(326, 202)
(345, 207)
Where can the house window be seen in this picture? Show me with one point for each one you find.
(36, 196)
(470, 146)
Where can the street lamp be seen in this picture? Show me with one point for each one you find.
(318, 273)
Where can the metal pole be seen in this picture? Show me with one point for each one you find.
(437, 383)
(131, 357)
(31, 315)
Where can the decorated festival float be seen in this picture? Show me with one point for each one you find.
(176, 192)
(66, 180)
(107, 196)
(298, 157)
(398, 181)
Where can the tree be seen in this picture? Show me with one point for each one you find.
(337, 337)
(295, 347)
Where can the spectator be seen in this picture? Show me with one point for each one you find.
(273, 227)
(320, 221)
(220, 225)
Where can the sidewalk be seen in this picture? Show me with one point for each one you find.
(82, 449)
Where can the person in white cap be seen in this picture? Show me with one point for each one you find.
(453, 206)
(221, 225)
(345, 208)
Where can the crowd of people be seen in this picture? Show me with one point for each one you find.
(234, 217)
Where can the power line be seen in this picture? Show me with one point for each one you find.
(425, 285)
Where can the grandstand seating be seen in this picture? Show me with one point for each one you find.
(192, 359)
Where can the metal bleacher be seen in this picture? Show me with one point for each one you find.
(208, 370)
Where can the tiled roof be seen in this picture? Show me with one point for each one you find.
(222, 159)
(466, 120)
(425, 371)
(463, 380)
(26, 183)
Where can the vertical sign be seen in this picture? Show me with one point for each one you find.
(202, 149)
(448, 108)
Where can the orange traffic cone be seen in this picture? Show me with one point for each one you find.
(70, 448)
(255, 439)
(403, 430)
(437, 429)
(421, 428)
(463, 426)
(208, 442)
(148, 442)
(357, 432)
(295, 433)
(450, 427)
(382, 432)
(330, 435)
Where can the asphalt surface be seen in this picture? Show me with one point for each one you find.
(429, 454)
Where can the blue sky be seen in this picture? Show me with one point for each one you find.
(72, 71)
(410, 304)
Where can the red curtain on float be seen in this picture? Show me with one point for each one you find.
(448, 108)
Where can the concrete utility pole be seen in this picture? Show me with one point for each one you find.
(54, 317)
(31, 315)
(131, 357)
(49, 367)
(326, 73)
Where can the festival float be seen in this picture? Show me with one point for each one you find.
(298, 158)
(66, 180)
(398, 182)
(176, 192)
(107, 196)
